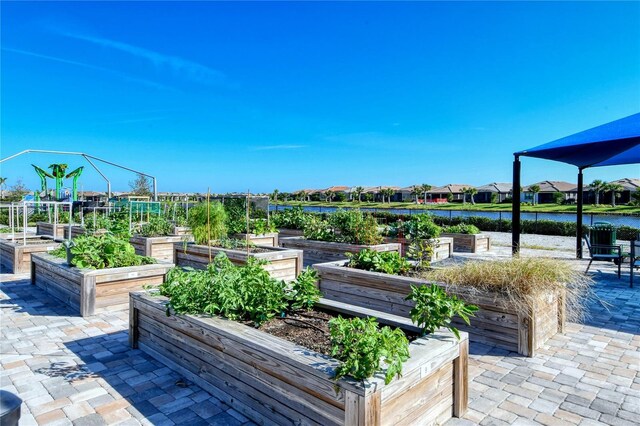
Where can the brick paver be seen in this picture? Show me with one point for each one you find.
(81, 371)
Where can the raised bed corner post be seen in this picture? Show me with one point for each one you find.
(515, 209)
(579, 216)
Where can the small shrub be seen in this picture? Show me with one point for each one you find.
(362, 346)
(294, 218)
(304, 293)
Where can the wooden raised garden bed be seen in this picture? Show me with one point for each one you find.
(160, 248)
(269, 239)
(470, 243)
(288, 232)
(324, 251)
(76, 230)
(284, 264)
(181, 230)
(91, 291)
(55, 231)
(442, 250)
(16, 256)
(275, 382)
(497, 322)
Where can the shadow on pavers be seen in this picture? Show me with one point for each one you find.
(20, 296)
(155, 392)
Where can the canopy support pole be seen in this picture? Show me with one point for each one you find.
(579, 216)
(515, 209)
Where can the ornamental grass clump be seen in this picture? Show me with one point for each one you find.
(208, 222)
(522, 281)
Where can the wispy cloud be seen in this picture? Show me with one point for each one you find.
(179, 66)
(277, 147)
(89, 66)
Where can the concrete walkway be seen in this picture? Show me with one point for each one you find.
(72, 370)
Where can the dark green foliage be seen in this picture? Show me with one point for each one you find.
(101, 252)
(158, 226)
(361, 346)
(462, 228)
(318, 229)
(204, 229)
(39, 217)
(236, 292)
(388, 262)
(434, 308)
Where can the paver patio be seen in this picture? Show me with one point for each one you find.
(72, 370)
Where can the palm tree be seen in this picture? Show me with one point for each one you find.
(274, 195)
(425, 187)
(598, 186)
(615, 189)
(389, 193)
(471, 191)
(3, 183)
(359, 190)
(534, 189)
(368, 196)
(415, 191)
(329, 195)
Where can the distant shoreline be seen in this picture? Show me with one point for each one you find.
(480, 207)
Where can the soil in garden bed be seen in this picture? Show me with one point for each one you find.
(309, 329)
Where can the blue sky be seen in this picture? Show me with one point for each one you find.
(237, 96)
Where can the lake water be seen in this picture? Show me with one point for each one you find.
(587, 218)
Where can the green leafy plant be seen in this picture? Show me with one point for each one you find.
(421, 227)
(362, 346)
(245, 292)
(318, 229)
(294, 218)
(208, 223)
(354, 227)
(102, 251)
(422, 252)
(304, 293)
(157, 226)
(388, 262)
(261, 227)
(462, 228)
(434, 308)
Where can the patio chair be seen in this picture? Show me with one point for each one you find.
(634, 259)
(604, 253)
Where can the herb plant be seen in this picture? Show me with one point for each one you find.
(102, 251)
(388, 262)
(362, 346)
(344, 226)
(434, 308)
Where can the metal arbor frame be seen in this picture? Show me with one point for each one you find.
(89, 157)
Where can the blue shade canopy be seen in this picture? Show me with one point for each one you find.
(610, 144)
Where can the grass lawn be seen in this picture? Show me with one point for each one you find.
(541, 208)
